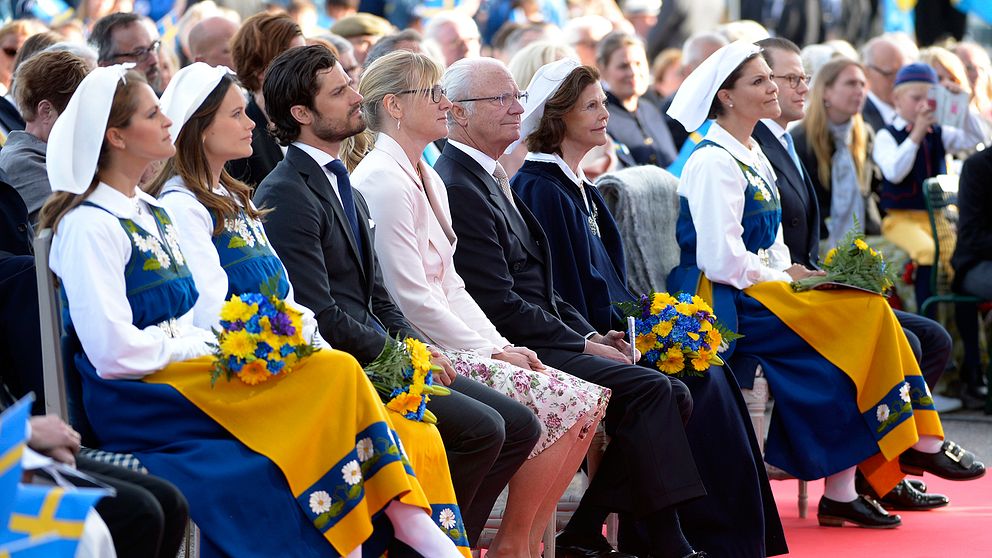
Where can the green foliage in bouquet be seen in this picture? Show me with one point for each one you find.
(853, 263)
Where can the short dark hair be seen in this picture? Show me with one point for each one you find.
(292, 80)
(550, 131)
(716, 107)
(776, 43)
(104, 28)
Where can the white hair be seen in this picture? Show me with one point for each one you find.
(459, 79)
(457, 18)
(597, 26)
(694, 49)
(85, 52)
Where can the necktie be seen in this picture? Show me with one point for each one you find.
(336, 167)
(504, 183)
(790, 146)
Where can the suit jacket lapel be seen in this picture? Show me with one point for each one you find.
(317, 181)
(782, 162)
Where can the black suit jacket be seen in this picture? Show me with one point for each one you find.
(15, 228)
(10, 118)
(800, 212)
(871, 115)
(341, 284)
(504, 259)
(974, 243)
(265, 151)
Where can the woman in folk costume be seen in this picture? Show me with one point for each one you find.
(848, 393)
(565, 117)
(404, 109)
(264, 473)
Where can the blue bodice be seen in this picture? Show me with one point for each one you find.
(247, 257)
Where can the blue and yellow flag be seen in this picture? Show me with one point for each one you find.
(980, 8)
(41, 547)
(13, 437)
(687, 148)
(42, 511)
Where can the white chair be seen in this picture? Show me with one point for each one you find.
(53, 368)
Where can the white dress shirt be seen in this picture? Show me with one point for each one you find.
(714, 186)
(896, 160)
(887, 111)
(196, 230)
(89, 254)
(321, 157)
(415, 245)
(777, 130)
(485, 161)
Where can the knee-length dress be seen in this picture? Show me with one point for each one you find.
(846, 386)
(296, 466)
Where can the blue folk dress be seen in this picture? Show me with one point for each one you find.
(737, 518)
(821, 424)
(243, 500)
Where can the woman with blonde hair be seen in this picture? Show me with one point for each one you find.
(834, 143)
(954, 77)
(404, 108)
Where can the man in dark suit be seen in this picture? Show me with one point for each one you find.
(882, 58)
(801, 232)
(321, 229)
(502, 255)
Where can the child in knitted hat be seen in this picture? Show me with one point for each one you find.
(908, 151)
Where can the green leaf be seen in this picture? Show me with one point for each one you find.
(151, 264)
(236, 242)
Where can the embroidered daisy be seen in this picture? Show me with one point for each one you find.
(320, 502)
(352, 473)
(446, 518)
(904, 392)
(365, 449)
(882, 413)
(173, 242)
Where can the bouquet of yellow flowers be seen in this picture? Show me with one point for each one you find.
(402, 377)
(852, 264)
(260, 338)
(679, 334)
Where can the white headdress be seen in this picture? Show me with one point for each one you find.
(186, 92)
(543, 86)
(694, 97)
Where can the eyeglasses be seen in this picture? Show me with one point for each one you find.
(138, 53)
(885, 73)
(503, 100)
(436, 92)
(793, 80)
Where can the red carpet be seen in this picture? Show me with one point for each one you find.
(964, 528)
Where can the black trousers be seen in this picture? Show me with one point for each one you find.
(20, 332)
(930, 342)
(648, 465)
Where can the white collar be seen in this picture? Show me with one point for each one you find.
(389, 146)
(117, 203)
(887, 111)
(555, 158)
(319, 156)
(177, 184)
(898, 122)
(487, 162)
(774, 127)
(751, 156)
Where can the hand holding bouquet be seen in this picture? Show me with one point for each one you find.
(402, 376)
(852, 264)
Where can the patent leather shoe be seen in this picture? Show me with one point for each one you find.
(952, 462)
(863, 512)
(568, 545)
(906, 498)
(917, 484)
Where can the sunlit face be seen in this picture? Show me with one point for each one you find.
(788, 66)
(228, 136)
(337, 106)
(146, 137)
(422, 117)
(490, 124)
(882, 71)
(755, 94)
(130, 39)
(627, 72)
(846, 95)
(585, 123)
(909, 99)
(9, 48)
(458, 41)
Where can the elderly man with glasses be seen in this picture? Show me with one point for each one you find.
(882, 58)
(124, 37)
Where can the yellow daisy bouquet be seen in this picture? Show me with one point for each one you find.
(852, 264)
(402, 376)
(678, 335)
(260, 338)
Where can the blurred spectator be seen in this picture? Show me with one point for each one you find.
(666, 74)
(91, 11)
(639, 128)
(937, 20)
(497, 45)
(743, 30)
(500, 12)
(12, 37)
(304, 13)
(362, 31)
(346, 55)
(35, 44)
(977, 66)
(210, 41)
(123, 37)
(81, 50)
(72, 30)
(337, 10)
(882, 57)
(950, 70)
(815, 56)
(695, 49)
(642, 15)
(583, 33)
(455, 34)
(408, 39)
(844, 48)
(531, 33)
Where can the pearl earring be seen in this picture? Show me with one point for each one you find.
(731, 105)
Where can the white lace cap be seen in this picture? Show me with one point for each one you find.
(186, 92)
(543, 86)
(77, 136)
(691, 105)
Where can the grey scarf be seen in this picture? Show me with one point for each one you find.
(846, 202)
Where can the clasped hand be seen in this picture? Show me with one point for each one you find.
(611, 346)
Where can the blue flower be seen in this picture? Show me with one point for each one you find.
(235, 363)
(282, 324)
(276, 366)
(253, 325)
(262, 350)
(286, 350)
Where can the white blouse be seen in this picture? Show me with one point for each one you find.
(196, 240)
(415, 246)
(713, 184)
(89, 254)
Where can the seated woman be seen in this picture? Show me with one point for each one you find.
(848, 394)
(263, 473)
(565, 116)
(404, 109)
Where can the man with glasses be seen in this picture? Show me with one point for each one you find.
(882, 58)
(123, 37)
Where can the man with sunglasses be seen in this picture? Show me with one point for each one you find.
(882, 58)
(124, 37)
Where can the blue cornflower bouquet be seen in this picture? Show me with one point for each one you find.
(402, 377)
(679, 334)
(260, 337)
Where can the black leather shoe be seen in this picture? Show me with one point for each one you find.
(952, 462)
(917, 484)
(904, 497)
(863, 512)
(697, 554)
(568, 545)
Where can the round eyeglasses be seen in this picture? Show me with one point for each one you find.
(793, 80)
(436, 93)
(504, 100)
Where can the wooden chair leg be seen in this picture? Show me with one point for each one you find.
(803, 499)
